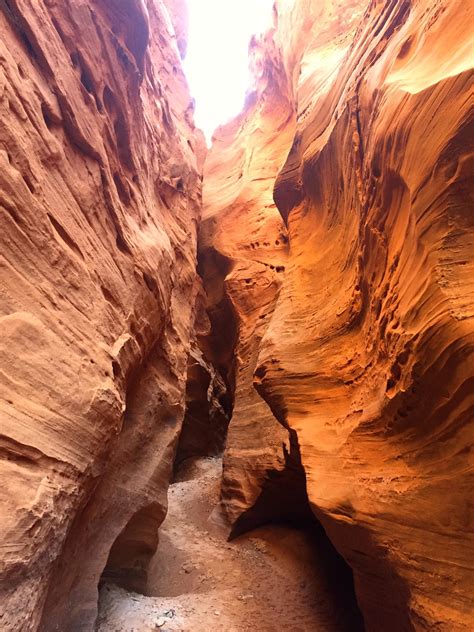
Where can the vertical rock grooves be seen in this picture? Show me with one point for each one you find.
(358, 333)
(321, 332)
(100, 196)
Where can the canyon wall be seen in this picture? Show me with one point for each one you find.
(242, 254)
(100, 195)
(356, 336)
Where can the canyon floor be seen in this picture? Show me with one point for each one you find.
(273, 578)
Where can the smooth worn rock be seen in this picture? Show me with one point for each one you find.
(243, 248)
(99, 200)
(367, 355)
(333, 317)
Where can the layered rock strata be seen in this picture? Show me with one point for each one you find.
(367, 354)
(337, 257)
(242, 254)
(99, 200)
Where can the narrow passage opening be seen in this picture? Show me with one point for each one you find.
(282, 575)
(217, 63)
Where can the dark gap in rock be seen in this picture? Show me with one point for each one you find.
(29, 183)
(65, 236)
(150, 282)
(133, 549)
(109, 297)
(109, 100)
(122, 245)
(283, 498)
(284, 501)
(86, 81)
(117, 369)
(122, 190)
(48, 120)
(207, 414)
(211, 366)
(28, 45)
(12, 211)
(21, 72)
(122, 134)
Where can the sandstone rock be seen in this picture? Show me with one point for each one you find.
(208, 400)
(337, 257)
(178, 11)
(99, 200)
(368, 354)
(242, 254)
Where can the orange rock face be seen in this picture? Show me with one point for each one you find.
(336, 255)
(99, 200)
(243, 251)
(365, 345)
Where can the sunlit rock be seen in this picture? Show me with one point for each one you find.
(100, 199)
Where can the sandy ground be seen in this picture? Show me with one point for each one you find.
(273, 579)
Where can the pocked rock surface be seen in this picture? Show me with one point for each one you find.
(100, 199)
(326, 312)
(358, 333)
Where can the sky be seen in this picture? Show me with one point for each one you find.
(216, 63)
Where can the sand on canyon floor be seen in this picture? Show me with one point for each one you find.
(274, 578)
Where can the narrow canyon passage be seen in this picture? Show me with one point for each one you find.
(271, 579)
(236, 362)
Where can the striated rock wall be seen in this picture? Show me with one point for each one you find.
(242, 254)
(99, 203)
(243, 251)
(337, 255)
(366, 349)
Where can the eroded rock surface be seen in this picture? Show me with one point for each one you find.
(365, 349)
(242, 253)
(99, 201)
(337, 257)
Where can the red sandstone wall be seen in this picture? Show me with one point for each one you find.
(368, 352)
(99, 204)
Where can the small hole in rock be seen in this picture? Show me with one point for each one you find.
(122, 245)
(122, 189)
(87, 82)
(48, 120)
(117, 370)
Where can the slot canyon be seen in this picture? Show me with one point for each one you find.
(237, 381)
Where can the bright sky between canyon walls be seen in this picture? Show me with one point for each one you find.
(217, 59)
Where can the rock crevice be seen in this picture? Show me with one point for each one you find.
(365, 349)
(302, 301)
